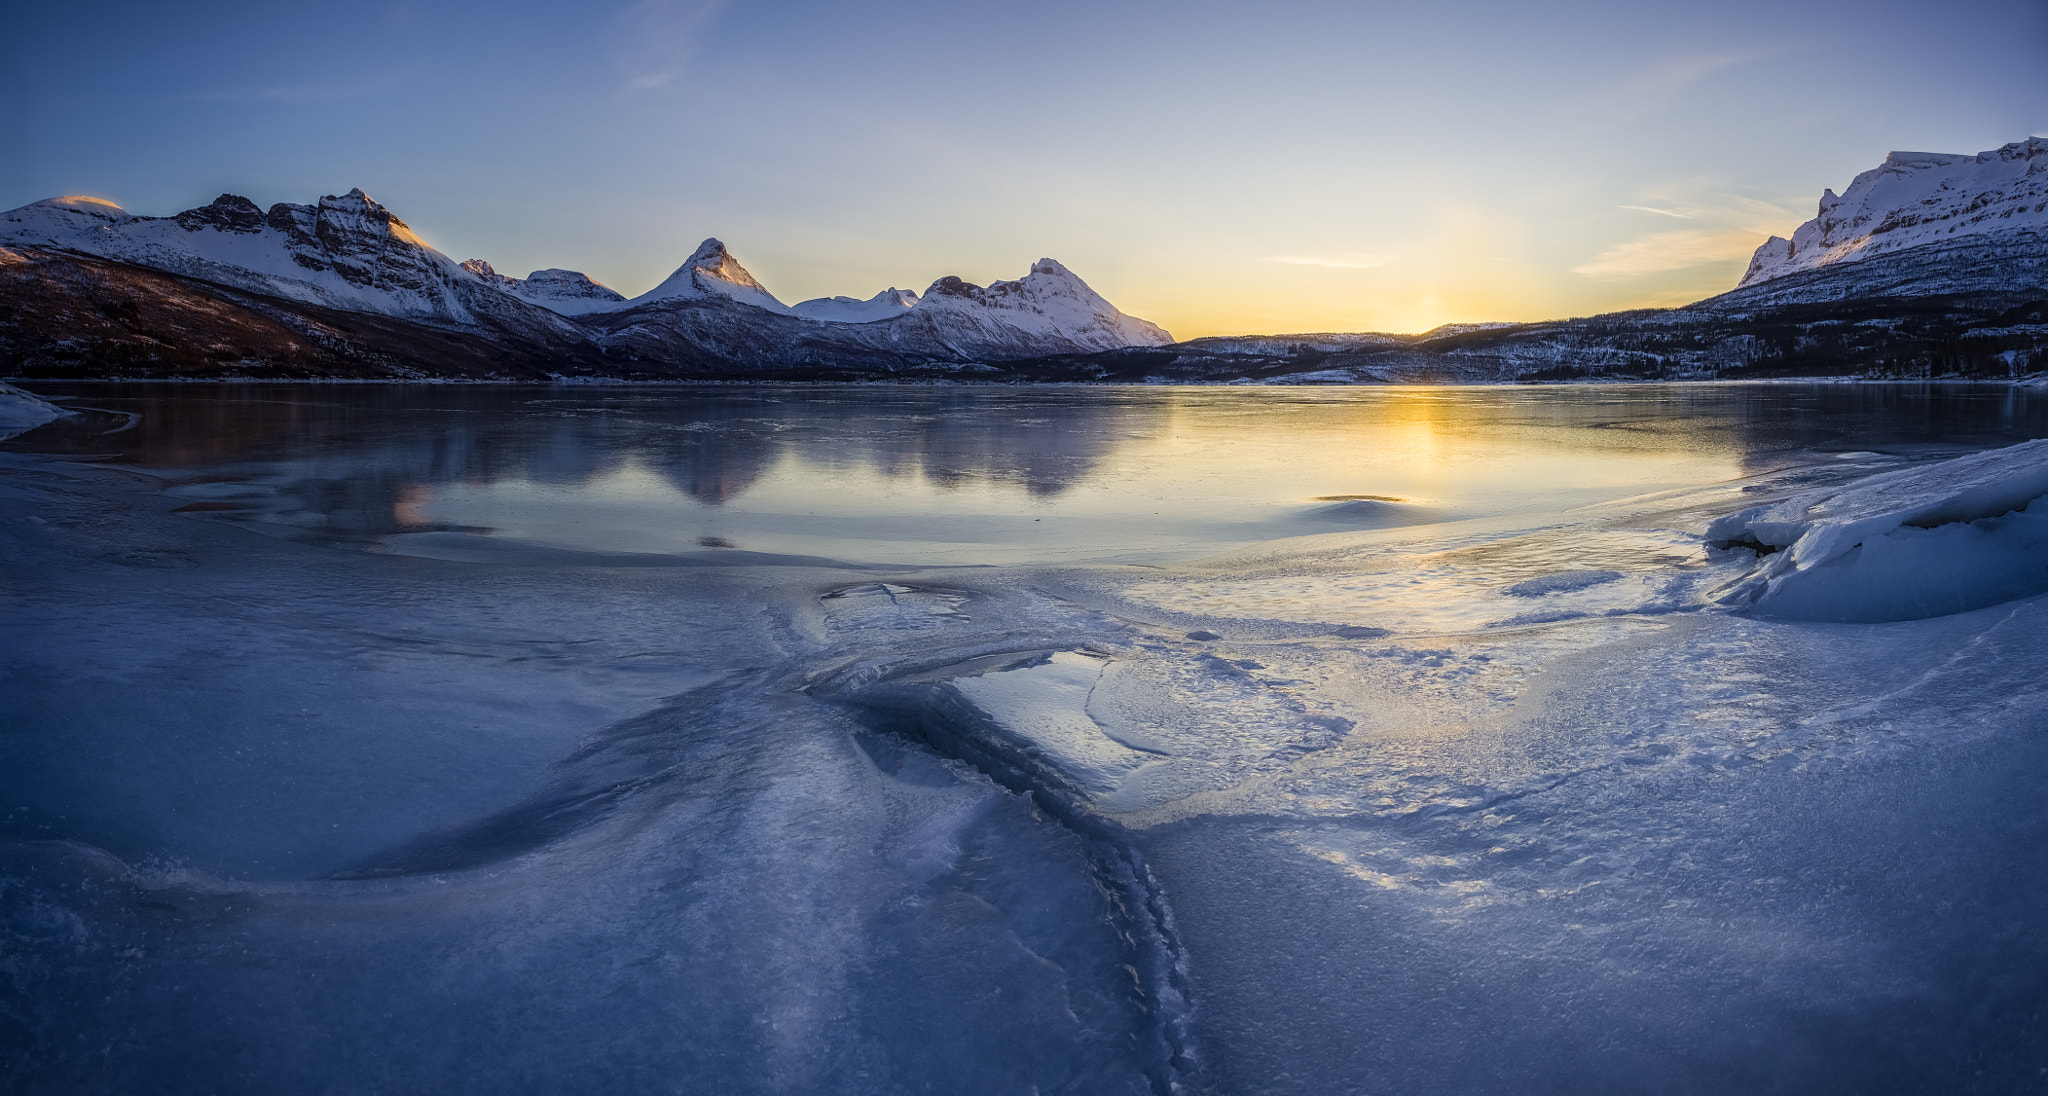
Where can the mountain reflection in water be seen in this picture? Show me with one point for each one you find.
(963, 474)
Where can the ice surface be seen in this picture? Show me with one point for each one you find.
(1507, 802)
(1919, 542)
(23, 411)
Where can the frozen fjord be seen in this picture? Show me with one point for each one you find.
(462, 777)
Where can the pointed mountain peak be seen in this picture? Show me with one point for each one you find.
(711, 271)
(712, 260)
(489, 273)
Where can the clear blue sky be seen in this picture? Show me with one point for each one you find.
(1215, 167)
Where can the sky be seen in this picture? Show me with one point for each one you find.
(1215, 167)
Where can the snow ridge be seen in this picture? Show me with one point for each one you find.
(349, 252)
(344, 252)
(887, 304)
(568, 292)
(1911, 200)
(1049, 310)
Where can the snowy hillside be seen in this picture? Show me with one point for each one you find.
(1912, 200)
(1048, 311)
(568, 292)
(887, 304)
(344, 252)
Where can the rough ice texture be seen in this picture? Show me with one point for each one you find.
(21, 411)
(1920, 542)
(1911, 200)
(887, 304)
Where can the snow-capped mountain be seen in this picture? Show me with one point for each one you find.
(568, 292)
(344, 252)
(888, 304)
(1913, 200)
(711, 271)
(1049, 310)
(351, 254)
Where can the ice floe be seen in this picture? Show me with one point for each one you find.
(1918, 542)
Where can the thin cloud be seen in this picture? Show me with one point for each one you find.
(1663, 251)
(1675, 72)
(1341, 262)
(303, 93)
(660, 39)
(1678, 213)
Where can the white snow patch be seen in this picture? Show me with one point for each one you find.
(1050, 305)
(22, 411)
(1904, 545)
(887, 304)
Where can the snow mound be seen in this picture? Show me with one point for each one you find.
(53, 221)
(1913, 199)
(711, 271)
(1919, 542)
(887, 304)
(21, 412)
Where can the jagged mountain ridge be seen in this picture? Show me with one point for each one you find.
(1950, 278)
(568, 292)
(351, 253)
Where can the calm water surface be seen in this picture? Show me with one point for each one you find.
(994, 476)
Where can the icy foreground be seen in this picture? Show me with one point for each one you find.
(314, 783)
(1919, 542)
(21, 411)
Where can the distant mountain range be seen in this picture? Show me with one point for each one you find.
(1926, 265)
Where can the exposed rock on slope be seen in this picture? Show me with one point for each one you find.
(64, 314)
(350, 254)
(343, 252)
(1915, 200)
